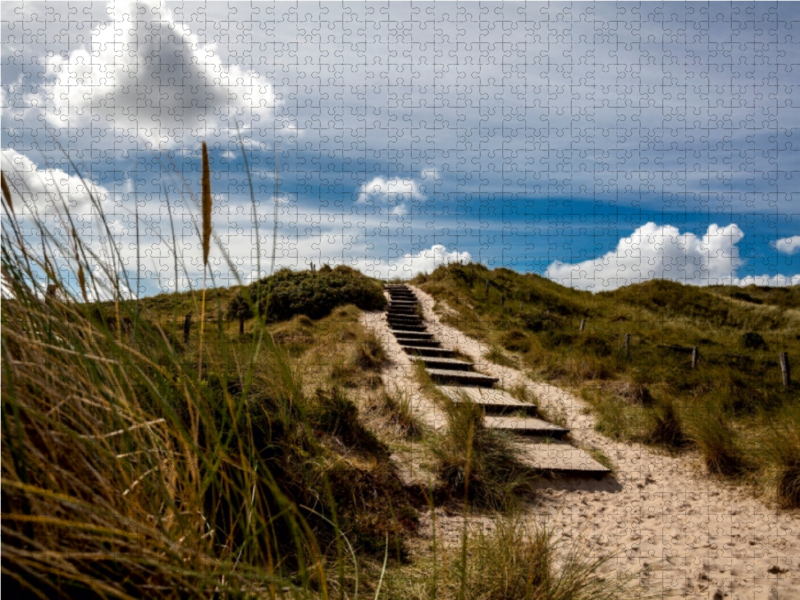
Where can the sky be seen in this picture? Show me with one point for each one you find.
(597, 144)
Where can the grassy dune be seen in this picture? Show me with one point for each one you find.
(139, 463)
(733, 408)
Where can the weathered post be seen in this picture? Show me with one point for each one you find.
(520, 305)
(187, 327)
(583, 324)
(241, 323)
(787, 380)
(627, 345)
(695, 354)
(487, 288)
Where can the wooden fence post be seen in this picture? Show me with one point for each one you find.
(241, 324)
(583, 324)
(520, 305)
(487, 288)
(787, 380)
(627, 345)
(187, 327)
(694, 357)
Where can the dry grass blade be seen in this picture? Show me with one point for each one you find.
(6, 192)
(206, 201)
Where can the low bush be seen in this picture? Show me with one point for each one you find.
(750, 340)
(666, 427)
(370, 354)
(315, 294)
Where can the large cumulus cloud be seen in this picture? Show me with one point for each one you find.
(662, 252)
(149, 79)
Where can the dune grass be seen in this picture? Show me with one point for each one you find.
(137, 463)
(649, 392)
(510, 558)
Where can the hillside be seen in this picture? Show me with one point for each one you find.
(732, 408)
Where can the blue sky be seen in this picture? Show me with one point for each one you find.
(598, 144)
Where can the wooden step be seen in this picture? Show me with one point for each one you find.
(558, 456)
(404, 317)
(410, 348)
(401, 322)
(419, 328)
(438, 362)
(401, 310)
(525, 426)
(409, 342)
(412, 335)
(393, 302)
(494, 402)
(461, 377)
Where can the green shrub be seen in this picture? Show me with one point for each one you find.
(750, 340)
(238, 308)
(289, 293)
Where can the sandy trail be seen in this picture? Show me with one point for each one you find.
(690, 535)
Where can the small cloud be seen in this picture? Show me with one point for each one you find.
(426, 261)
(788, 245)
(394, 193)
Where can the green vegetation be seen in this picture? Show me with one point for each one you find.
(315, 293)
(725, 408)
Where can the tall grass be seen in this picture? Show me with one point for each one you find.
(479, 464)
(510, 558)
(206, 218)
(128, 473)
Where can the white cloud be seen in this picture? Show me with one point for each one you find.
(394, 193)
(147, 76)
(662, 252)
(426, 261)
(41, 190)
(788, 245)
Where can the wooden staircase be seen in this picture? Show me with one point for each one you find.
(540, 443)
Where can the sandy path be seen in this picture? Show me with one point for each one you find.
(397, 374)
(693, 536)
